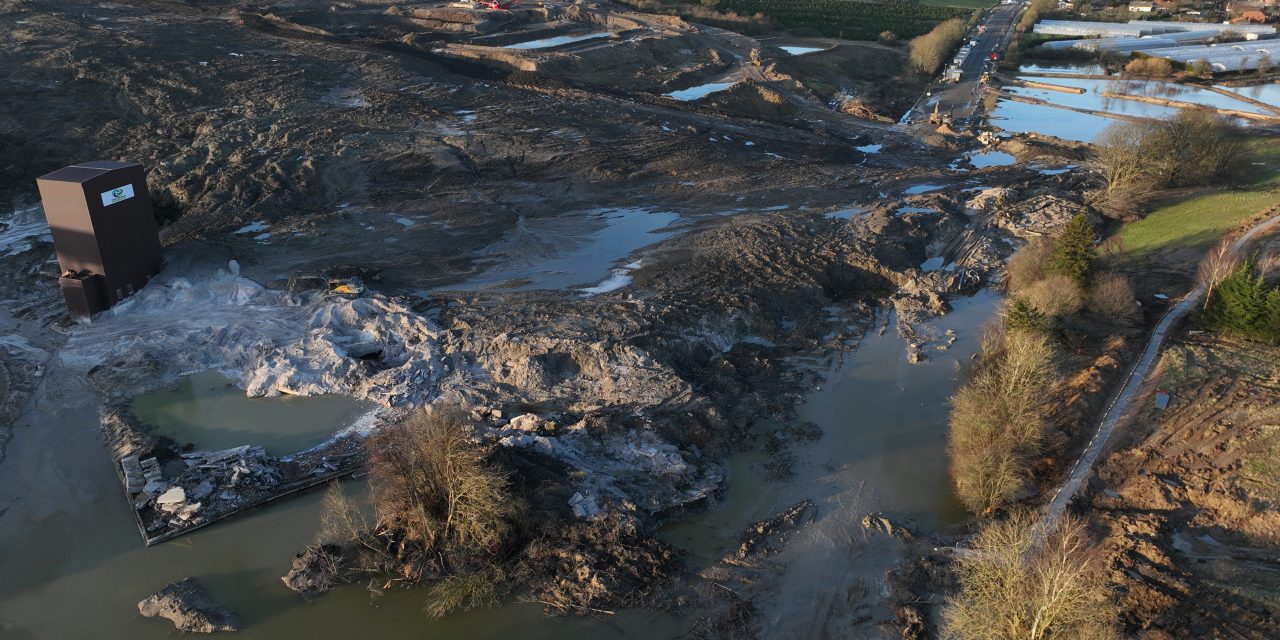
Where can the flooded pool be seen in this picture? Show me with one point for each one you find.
(905, 210)
(569, 252)
(1083, 69)
(935, 263)
(846, 213)
(82, 568)
(870, 148)
(1084, 127)
(1268, 93)
(1060, 123)
(700, 91)
(546, 43)
(207, 409)
(799, 51)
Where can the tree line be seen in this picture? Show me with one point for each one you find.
(1193, 148)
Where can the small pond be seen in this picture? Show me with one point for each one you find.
(572, 251)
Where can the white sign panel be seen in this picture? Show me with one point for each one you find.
(119, 194)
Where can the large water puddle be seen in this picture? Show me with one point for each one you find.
(700, 91)
(991, 159)
(800, 51)
(76, 568)
(884, 424)
(570, 251)
(207, 410)
(547, 43)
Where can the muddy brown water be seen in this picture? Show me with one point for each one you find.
(884, 437)
(72, 564)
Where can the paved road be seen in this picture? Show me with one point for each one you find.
(1120, 404)
(962, 97)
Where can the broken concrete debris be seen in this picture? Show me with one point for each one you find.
(173, 496)
(210, 485)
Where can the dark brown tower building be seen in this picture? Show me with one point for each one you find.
(103, 230)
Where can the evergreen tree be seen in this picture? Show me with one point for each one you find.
(1024, 316)
(1242, 305)
(1073, 251)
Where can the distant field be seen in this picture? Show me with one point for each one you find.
(967, 4)
(1199, 221)
(852, 19)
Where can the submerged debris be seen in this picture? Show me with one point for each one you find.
(190, 609)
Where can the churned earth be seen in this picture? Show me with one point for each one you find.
(540, 233)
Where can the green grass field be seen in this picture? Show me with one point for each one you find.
(1198, 221)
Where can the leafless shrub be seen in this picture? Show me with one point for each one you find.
(1055, 296)
(341, 520)
(433, 485)
(1112, 297)
(1149, 68)
(1027, 266)
(1016, 586)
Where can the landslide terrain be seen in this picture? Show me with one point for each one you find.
(348, 139)
(1187, 501)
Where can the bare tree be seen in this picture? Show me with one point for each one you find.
(1019, 583)
(930, 50)
(997, 419)
(1219, 263)
(434, 486)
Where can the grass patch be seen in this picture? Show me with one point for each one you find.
(1197, 222)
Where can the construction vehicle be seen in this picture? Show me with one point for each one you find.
(349, 288)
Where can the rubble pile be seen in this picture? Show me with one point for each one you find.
(205, 486)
